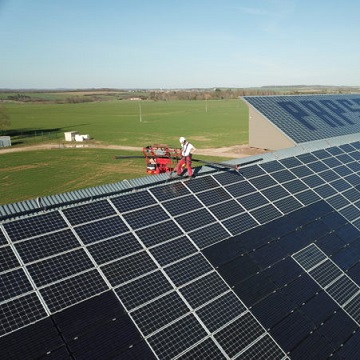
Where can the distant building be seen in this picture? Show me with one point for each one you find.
(280, 122)
(5, 141)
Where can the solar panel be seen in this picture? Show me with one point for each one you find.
(201, 184)
(88, 212)
(20, 312)
(264, 349)
(173, 250)
(178, 337)
(240, 223)
(204, 290)
(160, 312)
(128, 268)
(143, 289)
(195, 219)
(2, 239)
(70, 291)
(206, 349)
(182, 205)
(240, 188)
(156, 234)
(226, 209)
(112, 249)
(8, 259)
(171, 191)
(188, 269)
(239, 334)
(209, 235)
(13, 283)
(41, 224)
(101, 229)
(133, 201)
(306, 118)
(145, 217)
(214, 196)
(46, 245)
(59, 267)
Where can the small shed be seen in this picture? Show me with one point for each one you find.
(5, 141)
(70, 135)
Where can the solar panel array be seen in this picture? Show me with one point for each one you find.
(311, 117)
(263, 264)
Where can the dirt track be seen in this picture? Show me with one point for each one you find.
(236, 151)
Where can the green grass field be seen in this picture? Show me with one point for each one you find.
(30, 174)
(132, 122)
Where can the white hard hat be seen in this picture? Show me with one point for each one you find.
(182, 139)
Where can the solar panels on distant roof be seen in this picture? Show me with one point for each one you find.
(226, 265)
(306, 118)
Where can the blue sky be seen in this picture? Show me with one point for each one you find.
(178, 43)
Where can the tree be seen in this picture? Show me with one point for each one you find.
(4, 118)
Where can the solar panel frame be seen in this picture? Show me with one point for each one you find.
(182, 205)
(241, 188)
(145, 217)
(208, 235)
(58, 267)
(170, 191)
(220, 311)
(188, 269)
(143, 289)
(128, 268)
(73, 290)
(206, 349)
(133, 201)
(213, 196)
(20, 312)
(160, 312)
(173, 250)
(8, 259)
(195, 219)
(88, 212)
(46, 245)
(226, 209)
(204, 289)
(239, 334)
(202, 183)
(158, 233)
(178, 337)
(240, 223)
(37, 225)
(101, 229)
(14, 283)
(3, 240)
(114, 248)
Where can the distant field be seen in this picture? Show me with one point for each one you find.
(27, 175)
(133, 123)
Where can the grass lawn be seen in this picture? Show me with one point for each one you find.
(133, 123)
(32, 174)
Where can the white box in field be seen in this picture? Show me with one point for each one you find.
(70, 135)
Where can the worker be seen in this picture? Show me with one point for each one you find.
(186, 153)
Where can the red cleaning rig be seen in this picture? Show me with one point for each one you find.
(161, 158)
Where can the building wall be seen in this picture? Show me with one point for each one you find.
(264, 135)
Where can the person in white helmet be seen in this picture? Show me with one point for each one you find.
(186, 152)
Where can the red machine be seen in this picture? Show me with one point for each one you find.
(161, 158)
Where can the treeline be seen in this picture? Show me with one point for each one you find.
(216, 94)
(92, 95)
